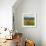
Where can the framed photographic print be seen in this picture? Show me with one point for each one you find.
(29, 20)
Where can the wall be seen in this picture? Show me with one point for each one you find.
(6, 13)
(43, 22)
(28, 6)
